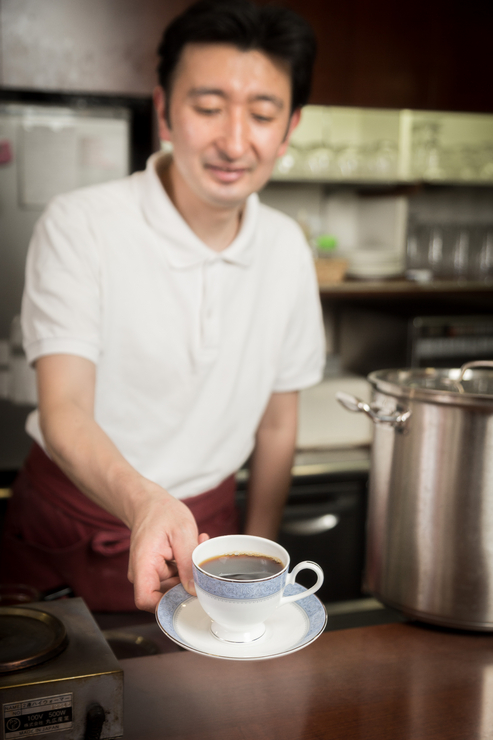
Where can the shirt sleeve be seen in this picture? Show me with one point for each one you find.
(61, 301)
(302, 358)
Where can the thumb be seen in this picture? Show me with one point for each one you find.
(186, 575)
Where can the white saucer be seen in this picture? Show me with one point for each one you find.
(291, 628)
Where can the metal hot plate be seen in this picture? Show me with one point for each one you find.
(28, 637)
(58, 674)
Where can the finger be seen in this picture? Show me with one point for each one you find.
(147, 579)
(168, 570)
(169, 583)
(183, 556)
(186, 575)
(147, 590)
(172, 568)
(148, 599)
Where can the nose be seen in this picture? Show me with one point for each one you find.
(233, 142)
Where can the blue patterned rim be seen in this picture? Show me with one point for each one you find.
(311, 605)
(228, 588)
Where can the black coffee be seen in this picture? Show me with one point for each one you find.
(242, 566)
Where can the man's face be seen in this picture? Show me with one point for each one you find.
(229, 119)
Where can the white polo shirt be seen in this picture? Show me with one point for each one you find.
(189, 343)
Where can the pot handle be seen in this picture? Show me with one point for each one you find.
(476, 363)
(351, 403)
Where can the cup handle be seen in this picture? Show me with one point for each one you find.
(292, 577)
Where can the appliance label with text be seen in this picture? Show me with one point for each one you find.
(37, 716)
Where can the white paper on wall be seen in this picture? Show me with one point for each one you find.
(102, 150)
(48, 161)
(61, 150)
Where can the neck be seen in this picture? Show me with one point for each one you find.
(216, 227)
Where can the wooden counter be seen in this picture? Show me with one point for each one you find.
(390, 682)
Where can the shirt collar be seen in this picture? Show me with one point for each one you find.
(183, 247)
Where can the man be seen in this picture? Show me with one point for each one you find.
(172, 320)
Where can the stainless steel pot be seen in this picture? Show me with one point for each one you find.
(430, 518)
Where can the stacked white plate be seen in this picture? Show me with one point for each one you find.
(371, 264)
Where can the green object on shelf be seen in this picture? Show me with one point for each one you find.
(326, 243)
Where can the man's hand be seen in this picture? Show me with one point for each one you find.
(164, 536)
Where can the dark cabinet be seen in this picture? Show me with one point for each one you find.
(324, 521)
(425, 54)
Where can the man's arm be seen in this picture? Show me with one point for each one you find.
(163, 528)
(270, 469)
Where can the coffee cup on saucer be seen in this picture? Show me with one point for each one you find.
(240, 581)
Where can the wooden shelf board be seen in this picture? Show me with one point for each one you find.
(348, 288)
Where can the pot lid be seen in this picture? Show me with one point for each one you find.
(471, 383)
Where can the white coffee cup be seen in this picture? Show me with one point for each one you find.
(239, 608)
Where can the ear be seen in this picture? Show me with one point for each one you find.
(159, 99)
(293, 122)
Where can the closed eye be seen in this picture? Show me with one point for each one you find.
(207, 111)
(262, 119)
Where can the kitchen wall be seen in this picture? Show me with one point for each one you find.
(83, 45)
(431, 54)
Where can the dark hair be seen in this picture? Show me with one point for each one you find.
(276, 31)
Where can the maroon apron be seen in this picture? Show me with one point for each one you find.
(55, 535)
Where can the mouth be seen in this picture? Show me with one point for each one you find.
(226, 174)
